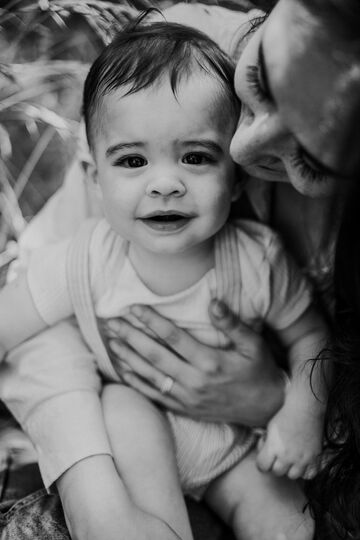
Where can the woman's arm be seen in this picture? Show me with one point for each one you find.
(19, 318)
(240, 385)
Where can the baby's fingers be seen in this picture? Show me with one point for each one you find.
(280, 467)
(297, 471)
(265, 457)
(312, 469)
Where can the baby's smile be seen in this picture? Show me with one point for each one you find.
(167, 221)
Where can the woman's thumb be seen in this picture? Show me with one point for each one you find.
(226, 321)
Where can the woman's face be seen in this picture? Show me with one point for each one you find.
(286, 80)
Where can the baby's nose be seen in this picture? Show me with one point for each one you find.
(166, 185)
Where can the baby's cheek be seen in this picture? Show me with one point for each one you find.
(224, 198)
(220, 210)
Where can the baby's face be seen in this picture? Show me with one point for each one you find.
(163, 165)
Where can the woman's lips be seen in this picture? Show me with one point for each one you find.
(270, 164)
(272, 170)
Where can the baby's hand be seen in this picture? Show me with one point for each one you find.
(293, 443)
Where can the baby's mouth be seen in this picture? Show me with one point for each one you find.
(166, 221)
(165, 217)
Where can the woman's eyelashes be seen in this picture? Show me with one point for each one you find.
(297, 159)
(306, 170)
(252, 76)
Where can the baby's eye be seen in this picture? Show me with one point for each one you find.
(131, 162)
(197, 158)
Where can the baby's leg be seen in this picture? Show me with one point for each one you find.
(144, 456)
(260, 506)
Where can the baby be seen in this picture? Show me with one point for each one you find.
(160, 111)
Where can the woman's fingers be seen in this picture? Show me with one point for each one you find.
(244, 338)
(225, 385)
(124, 359)
(147, 356)
(138, 373)
(135, 365)
(171, 400)
(178, 340)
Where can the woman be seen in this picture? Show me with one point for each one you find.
(304, 136)
(289, 132)
(336, 491)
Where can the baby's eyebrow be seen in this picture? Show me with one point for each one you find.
(121, 146)
(206, 143)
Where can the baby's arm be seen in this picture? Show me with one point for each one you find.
(294, 435)
(19, 318)
(144, 454)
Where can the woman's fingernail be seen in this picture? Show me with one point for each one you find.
(218, 309)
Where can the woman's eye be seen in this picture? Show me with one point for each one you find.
(131, 162)
(253, 80)
(196, 158)
(307, 170)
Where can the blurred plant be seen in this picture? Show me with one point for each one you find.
(46, 48)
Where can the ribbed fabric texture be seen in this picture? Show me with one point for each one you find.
(79, 287)
(204, 450)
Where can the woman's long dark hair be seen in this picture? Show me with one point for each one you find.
(335, 493)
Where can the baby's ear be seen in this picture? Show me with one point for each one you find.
(92, 177)
(91, 173)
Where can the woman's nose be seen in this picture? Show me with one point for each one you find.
(257, 135)
(166, 184)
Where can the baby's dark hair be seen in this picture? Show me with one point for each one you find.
(143, 53)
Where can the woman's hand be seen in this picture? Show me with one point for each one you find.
(241, 384)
